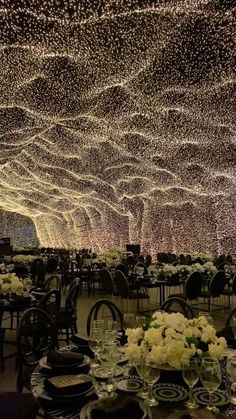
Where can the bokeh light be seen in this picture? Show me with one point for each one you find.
(117, 121)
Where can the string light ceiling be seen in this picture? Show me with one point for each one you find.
(117, 121)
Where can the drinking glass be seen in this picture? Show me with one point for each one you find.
(98, 324)
(210, 377)
(110, 336)
(129, 321)
(109, 357)
(152, 375)
(142, 369)
(140, 321)
(231, 371)
(233, 325)
(27, 282)
(207, 315)
(112, 325)
(95, 342)
(190, 373)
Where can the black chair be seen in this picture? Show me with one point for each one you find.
(192, 287)
(50, 303)
(107, 282)
(148, 260)
(97, 311)
(141, 265)
(215, 288)
(54, 281)
(230, 289)
(67, 316)
(182, 307)
(52, 264)
(135, 248)
(36, 334)
(21, 271)
(122, 268)
(2, 335)
(38, 270)
(124, 291)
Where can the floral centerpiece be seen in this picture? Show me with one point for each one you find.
(24, 259)
(171, 340)
(10, 283)
(111, 256)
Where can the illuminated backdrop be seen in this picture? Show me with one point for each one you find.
(117, 121)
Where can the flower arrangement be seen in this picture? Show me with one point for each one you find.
(172, 340)
(25, 259)
(108, 257)
(10, 283)
(205, 257)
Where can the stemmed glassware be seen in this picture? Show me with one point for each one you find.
(210, 375)
(152, 375)
(109, 357)
(129, 321)
(95, 343)
(190, 373)
(142, 369)
(231, 371)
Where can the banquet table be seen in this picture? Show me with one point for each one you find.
(168, 409)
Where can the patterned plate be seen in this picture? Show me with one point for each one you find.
(219, 397)
(101, 373)
(44, 364)
(170, 392)
(130, 385)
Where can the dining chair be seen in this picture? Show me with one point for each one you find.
(230, 289)
(192, 287)
(36, 334)
(127, 294)
(52, 281)
(2, 336)
(176, 304)
(66, 318)
(107, 282)
(50, 303)
(215, 288)
(122, 268)
(98, 312)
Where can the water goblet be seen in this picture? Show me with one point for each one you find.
(210, 377)
(112, 325)
(95, 343)
(190, 373)
(98, 324)
(129, 320)
(110, 336)
(142, 369)
(231, 371)
(152, 375)
(109, 357)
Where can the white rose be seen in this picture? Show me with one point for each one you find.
(134, 334)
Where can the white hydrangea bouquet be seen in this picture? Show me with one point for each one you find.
(171, 340)
(24, 259)
(10, 283)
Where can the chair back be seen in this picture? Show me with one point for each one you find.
(121, 283)
(50, 303)
(53, 281)
(107, 281)
(37, 270)
(52, 264)
(193, 285)
(98, 308)
(36, 334)
(234, 284)
(141, 265)
(71, 300)
(182, 307)
(122, 268)
(217, 284)
(230, 316)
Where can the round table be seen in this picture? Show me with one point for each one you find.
(58, 410)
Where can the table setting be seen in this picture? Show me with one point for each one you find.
(161, 368)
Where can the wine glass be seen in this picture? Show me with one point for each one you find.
(140, 321)
(190, 373)
(95, 343)
(142, 369)
(231, 371)
(210, 377)
(129, 320)
(233, 325)
(109, 357)
(152, 375)
(98, 324)
(112, 325)
(110, 336)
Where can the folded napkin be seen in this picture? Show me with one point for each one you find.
(64, 385)
(117, 408)
(64, 358)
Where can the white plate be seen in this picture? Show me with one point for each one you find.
(170, 392)
(219, 397)
(101, 373)
(43, 364)
(130, 385)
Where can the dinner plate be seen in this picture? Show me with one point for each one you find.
(101, 373)
(44, 364)
(130, 385)
(86, 411)
(168, 392)
(219, 397)
(40, 393)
